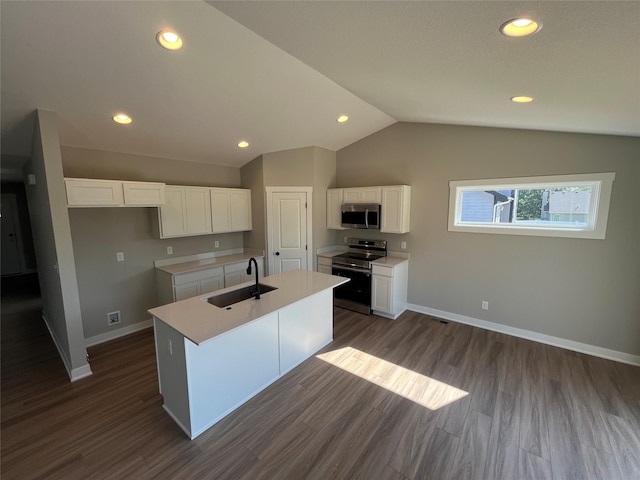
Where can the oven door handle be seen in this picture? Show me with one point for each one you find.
(349, 269)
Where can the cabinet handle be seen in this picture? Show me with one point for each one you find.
(277, 253)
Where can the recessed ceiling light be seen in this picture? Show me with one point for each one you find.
(522, 99)
(243, 144)
(169, 39)
(520, 27)
(342, 118)
(122, 118)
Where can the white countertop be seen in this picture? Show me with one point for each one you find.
(200, 321)
(203, 264)
(389, 261)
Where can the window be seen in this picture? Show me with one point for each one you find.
(555, 206)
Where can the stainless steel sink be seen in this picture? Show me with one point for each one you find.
(225, 299)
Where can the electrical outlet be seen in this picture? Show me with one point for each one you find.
(120, 256)
(345, 239)
(403, 245)
(113, 318)
(169, 346)
(169, 250)
(485, 305)
(216, 244)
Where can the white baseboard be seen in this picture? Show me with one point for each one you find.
(120, 332)
(75, 373)
(529, 335)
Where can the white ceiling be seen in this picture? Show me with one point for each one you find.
(281, 76)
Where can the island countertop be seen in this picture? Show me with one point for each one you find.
(199, 321)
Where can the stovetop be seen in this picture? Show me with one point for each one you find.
(361, 253)
(359, 256)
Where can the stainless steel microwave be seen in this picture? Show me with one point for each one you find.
(361, 215)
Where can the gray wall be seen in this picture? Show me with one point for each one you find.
(53, 248)
(252, 177)
(106, 285)
(301, 167)
(84, 163)
(576, 289)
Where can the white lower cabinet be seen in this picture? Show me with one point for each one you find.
(324, 265)
(200, 384)
(389, 289)
(173, 288)
(305, 327)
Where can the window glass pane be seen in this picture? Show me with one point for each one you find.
(544, 207)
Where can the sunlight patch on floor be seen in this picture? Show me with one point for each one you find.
(414, 386)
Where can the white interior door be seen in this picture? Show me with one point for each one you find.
(289, 229)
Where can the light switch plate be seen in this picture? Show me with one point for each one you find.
(120, 256)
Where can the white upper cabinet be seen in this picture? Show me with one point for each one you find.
(230, 209)
(187, 211)
(89, 192)
(334, 201)
(396, 203)
(361, 195)
(143, 194)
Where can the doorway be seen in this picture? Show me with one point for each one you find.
(289, 229)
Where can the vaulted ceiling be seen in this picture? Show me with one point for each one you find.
(277, 73)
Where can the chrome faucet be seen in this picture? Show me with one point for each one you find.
(257, 286)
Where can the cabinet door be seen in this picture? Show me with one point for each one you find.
(361, 195)
(186, 290)
(234, 278)
(334, 201)
(172, 213)
(382, 293)
(198, 210)
(324, 269)
(370, 195)
(351, 195)
(143, 193)
(211, 284)
(240, 209)
(93, 193)
(395, 209)
(220, 210)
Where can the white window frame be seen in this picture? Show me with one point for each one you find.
(601, 184)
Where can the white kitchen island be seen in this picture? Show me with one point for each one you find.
(211, 360)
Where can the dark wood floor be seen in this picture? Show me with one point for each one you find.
(528, 411)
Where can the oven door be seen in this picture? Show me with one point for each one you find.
(356, 294)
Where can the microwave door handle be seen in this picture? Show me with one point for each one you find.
(366, 218)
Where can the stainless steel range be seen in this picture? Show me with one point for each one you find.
(355, 264)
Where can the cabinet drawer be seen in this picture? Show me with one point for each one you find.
(143, 193)
(382, 270)
(236, 267)
(324, 261)
(199, 275)
(93, 193)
